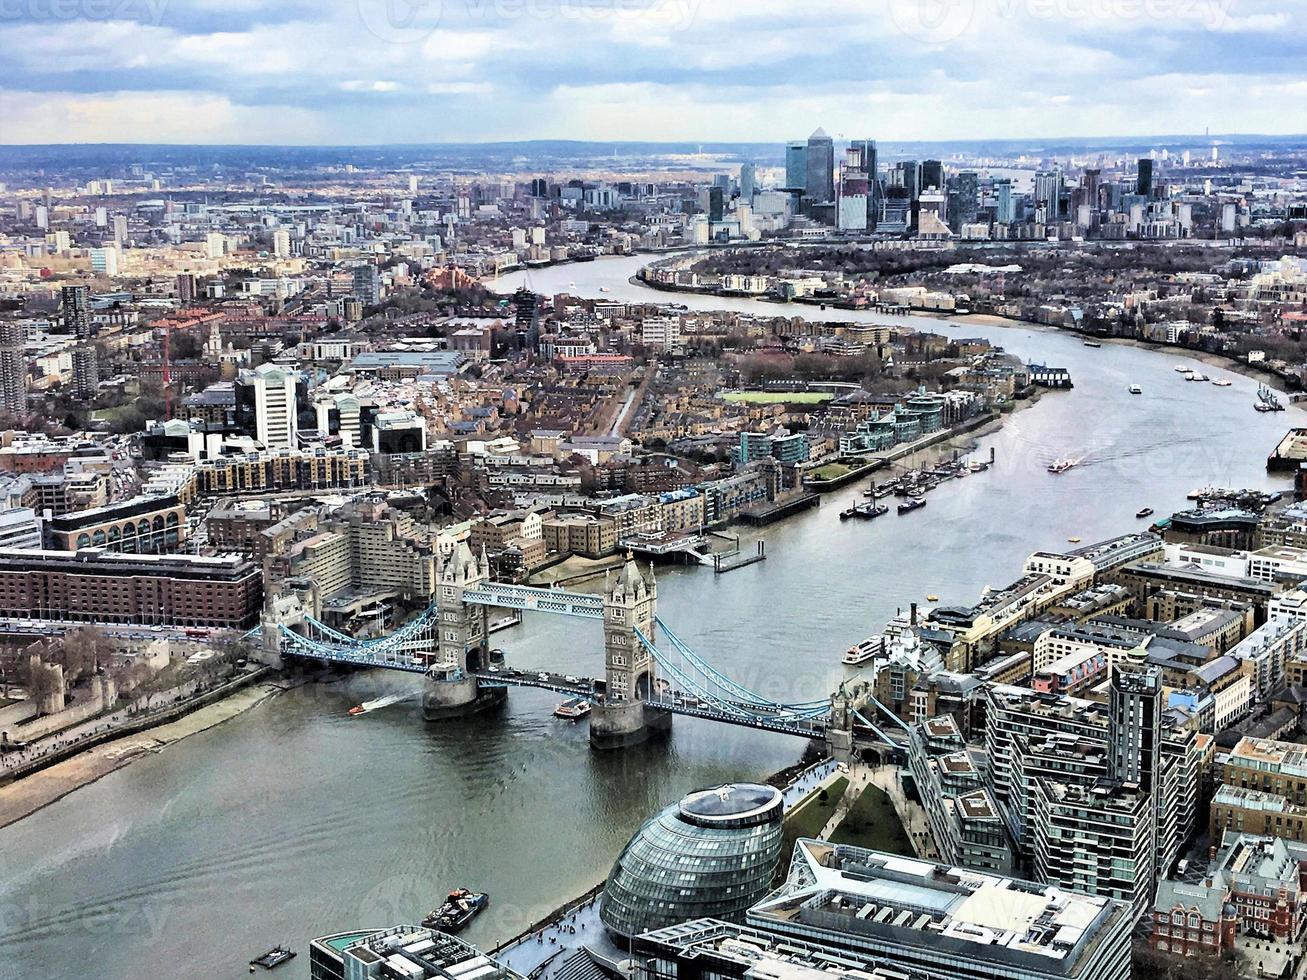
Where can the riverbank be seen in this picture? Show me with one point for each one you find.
(1221, 361)
(39, 789)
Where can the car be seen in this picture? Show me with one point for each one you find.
(542, 676)
(572, 680)
(494, 668)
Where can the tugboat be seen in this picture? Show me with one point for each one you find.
(1144, 512)
(273, 958)
(573, 709)
(1136, 390)
(911, 504)
(460, 908)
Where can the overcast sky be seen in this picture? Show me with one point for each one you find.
(376, 71)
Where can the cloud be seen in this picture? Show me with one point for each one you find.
(358, 70)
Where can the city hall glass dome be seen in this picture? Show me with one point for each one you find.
(712, 854)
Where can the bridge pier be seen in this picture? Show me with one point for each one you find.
(450, 693)
(626, 723)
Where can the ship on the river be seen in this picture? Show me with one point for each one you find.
(460, 907)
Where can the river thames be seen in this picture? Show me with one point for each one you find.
(295, 820)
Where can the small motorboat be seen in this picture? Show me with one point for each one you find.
(1136, 390)
(1074, 540)
(1144, 512)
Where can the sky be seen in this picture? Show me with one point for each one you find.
(417, 71)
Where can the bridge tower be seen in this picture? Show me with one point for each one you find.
(450, 690)
(622, 718)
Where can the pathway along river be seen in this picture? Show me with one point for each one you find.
(294, 820)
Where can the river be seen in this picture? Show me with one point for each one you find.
(295, 820)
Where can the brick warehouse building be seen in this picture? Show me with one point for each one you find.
(96, 586)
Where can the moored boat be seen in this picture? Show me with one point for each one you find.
(1144, 512)
(864, 651)
(911, 504)
(460, 908)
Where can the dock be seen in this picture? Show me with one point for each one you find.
(729, 563)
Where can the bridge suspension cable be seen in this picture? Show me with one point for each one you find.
(717, 677)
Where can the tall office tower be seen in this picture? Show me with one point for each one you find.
(968, 198)
(748, 182)
(539, 187)
(796, 166)
(86, 371)
(871, 164)
(1144, 178)
(1005, 209)
(266, 405)
(932, 175)
(1048, 191)
(367, 284)
(820, 184)
(908, 176)
(1092, 181)
(716, 203)
(412, 183)
(1135, 724)
(101, 217)
(13, 366)
(76, 301)
(851, 208)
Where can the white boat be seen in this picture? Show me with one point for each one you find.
(1222, 382)
(572, 709)
(1182, 369)
(1062, 465)
(864, 652)
(1136, 390)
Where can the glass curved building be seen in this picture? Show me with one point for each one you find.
(712, 854)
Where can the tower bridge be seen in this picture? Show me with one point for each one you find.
(650, 674)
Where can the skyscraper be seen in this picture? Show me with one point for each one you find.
(968, 199)
(748, 182)
(932, 175)
(86, 372)
(716, 203)
(870, 164)
(1048, 191)
(820, 184)
(76, 302)
(367, 284)
(13, 366)
(796, 166)
(1144, 178)
(1135, 725)
(1005, 205)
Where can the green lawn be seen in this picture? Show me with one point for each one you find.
(871, 822)
(809, 817)
(831, 471)
(778, 397)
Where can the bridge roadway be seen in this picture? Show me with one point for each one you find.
(672, 701)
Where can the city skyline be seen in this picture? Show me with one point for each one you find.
(389, 71)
